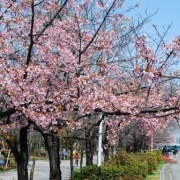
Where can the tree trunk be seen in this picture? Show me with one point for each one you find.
(135, 147)
(22, 161)
(52, 146)
(71, 159)
(21, 155)
(89, 149)
(106, 144)
(39, 148)
(81, 161)
(106, 155)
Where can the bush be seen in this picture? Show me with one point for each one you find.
(122, 166)
(91, 172)
(132, 162)
(152, 164)
(77, 175)
(121, 157)
(151, 160)
(112, 172)
(137, 168)
(157, 155)
(131, 176)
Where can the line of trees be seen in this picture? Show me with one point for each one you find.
(64, 61)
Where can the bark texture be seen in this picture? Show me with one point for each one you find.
(52, 146)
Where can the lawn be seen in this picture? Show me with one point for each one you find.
(37, 158)
(2, 169)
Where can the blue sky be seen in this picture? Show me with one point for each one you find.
(168, 12)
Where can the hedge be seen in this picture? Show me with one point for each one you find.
(122, 166)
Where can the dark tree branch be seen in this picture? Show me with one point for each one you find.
(31, 37)
(52, 19)
(97, 31)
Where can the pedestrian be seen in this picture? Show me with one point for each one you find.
(165, 151)
(174, 150)
(76, 157)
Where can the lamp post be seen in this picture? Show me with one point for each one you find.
(99, 142)
(151, 142)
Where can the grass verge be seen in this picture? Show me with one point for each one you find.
(7, 169)
(37, 158)
(156, 174)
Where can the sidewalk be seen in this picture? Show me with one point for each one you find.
(41, 171)
(171, 171)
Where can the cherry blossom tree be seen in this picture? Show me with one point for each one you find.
(57, 56)
(35, 88)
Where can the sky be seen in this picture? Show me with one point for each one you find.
(168, 12)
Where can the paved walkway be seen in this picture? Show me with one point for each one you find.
(41, 171)
(171, 171)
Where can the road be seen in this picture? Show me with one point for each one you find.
(171, 171)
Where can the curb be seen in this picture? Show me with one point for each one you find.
(162, 172)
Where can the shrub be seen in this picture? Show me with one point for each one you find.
(131, 176)
(132, 163)
(150, 159)
(157, 155)
(121, 157)
(137, 168)
(77, 175)
(123, 166)
(112, 172)
(91, 172)
(152, 164)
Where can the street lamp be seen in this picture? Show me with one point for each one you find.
(99, 141)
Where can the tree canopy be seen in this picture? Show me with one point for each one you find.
(58, 56)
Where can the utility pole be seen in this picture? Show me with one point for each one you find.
(151, 141)
(99, 142)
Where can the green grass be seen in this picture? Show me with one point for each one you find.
(156, 174)
(7, 169)
(37, 158)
